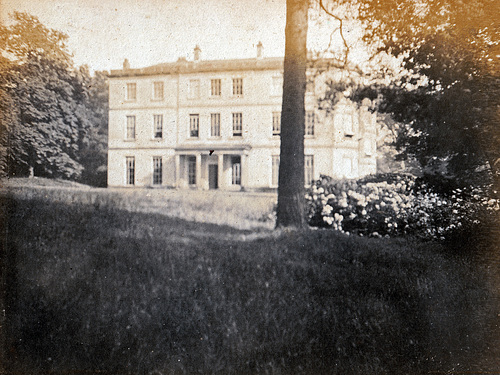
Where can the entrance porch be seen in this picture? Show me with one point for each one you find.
(225, 169)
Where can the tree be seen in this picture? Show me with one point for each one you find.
(290, 212)
(50, 112)
(448, 98)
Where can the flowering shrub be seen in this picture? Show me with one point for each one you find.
(392, 205)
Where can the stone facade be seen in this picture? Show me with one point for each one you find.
(215, 125)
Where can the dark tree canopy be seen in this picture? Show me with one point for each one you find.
(449, 99)
(50, 110)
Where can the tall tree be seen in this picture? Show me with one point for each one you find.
(449, 98)
(290, 212)
(49, 112)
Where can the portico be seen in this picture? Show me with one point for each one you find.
(206, 167)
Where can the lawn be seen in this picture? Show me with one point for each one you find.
(95, 288)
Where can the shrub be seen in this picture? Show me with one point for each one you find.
(393, 205)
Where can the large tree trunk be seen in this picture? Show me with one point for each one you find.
(291, 172)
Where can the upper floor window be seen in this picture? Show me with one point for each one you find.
(346, 120)
(194, 89)
(215, 87)
(194, 125)
(310, 119)
(215, 125)
(277, 86)
(237, 124)
(158, 126)
(130, 168)
(237, 86)
(131, 91)
(158, 90)
(130, 127)
(276, 123)
(308, 169)
(157, 170)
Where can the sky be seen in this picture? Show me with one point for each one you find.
(102, 33)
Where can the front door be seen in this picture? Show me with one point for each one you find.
(213, 176)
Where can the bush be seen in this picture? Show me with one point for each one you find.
(394, 205)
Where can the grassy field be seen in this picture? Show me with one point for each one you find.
(237, 209)
(94, 287)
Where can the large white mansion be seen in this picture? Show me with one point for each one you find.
(216, 125)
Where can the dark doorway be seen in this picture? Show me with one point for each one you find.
(213, 176)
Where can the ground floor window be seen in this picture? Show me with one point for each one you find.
(236, 170)
(308, 169)
(157, 170)
(275, 166)
(192, 170)
(130, 167)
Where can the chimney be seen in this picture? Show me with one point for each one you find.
(197, 52)
(260, 47)
(126, 64)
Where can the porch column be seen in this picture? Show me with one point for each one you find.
(244, 171)
(177, 170)
(220, 170)
(198, 171)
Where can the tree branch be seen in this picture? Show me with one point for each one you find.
(341, 32)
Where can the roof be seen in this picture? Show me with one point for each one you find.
(183, 66)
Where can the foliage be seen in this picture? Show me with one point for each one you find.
(395, 205)
(52, 115)
(447, 98)
(109, 291)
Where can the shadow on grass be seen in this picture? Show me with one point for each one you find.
(103, 290)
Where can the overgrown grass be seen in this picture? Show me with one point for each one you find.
(92, 288)
(238, 209)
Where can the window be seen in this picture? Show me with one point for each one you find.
(237, 124)
(277, 86)
(308, 169)
(130, 166)
(236, 170)
(275, 166)
(310, 117)
(157, 170)
(158, 126)
(346, 121)
(368, 146)
(215, 125)
(347, 166)
(157, 90)
(276, 123)
(194, 125)
(131, 91)
(194, 89)
(237, 86)
(192, 170)
(130, 127)
(215, 87)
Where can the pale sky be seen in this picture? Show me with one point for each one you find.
(102, 33)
